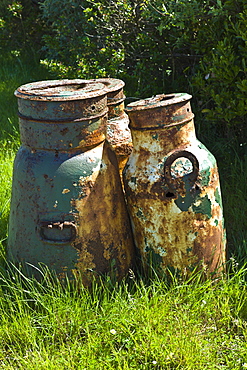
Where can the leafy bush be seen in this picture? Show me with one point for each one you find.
(144, 44)
(221, 80)
(20, 25)
(198, 46)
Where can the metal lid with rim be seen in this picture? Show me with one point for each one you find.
(62, 100)
(59, 90)
(160, 111)
(114, 89)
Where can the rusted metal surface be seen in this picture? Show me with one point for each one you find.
(67, 208)
(172, 188)
(115, 96)
(118, 132)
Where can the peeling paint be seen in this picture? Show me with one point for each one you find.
(203, 206)
(118, 133)
(172, 179)
(67, 207)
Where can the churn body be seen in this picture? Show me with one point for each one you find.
(172, 188)
(67, 207)
(118, 133)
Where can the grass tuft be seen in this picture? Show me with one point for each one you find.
(191, 325)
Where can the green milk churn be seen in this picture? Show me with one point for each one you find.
(67, 209)
(172, 189)
(118, 133)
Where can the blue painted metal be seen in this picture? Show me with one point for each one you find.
(67, 208)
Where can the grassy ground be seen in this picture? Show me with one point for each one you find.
(139, 324)
(194, 325)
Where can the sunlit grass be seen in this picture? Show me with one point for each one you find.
(6, 163)
(134, 325)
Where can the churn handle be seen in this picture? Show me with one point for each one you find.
(178, 154)
(60, 226)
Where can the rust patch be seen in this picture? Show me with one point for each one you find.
(160, 111)
(106, 236)
(172, 188)
(64, 131)
(118, 133)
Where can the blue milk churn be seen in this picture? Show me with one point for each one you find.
(67, 208)
(172, 188)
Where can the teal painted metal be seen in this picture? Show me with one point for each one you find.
(67, 208)
(172, 188)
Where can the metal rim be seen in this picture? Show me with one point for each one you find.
(158, 101)
(61, 90)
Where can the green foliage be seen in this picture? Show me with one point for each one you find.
(197, 46)
(131, 39)
(77, 41)
(20, 25)
(221, 80)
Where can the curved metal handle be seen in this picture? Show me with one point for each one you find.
(58, 232)
(174, 182)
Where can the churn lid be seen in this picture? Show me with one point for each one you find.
(62, 99)
(160, 111)
(57, 90)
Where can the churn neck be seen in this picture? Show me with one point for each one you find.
(62, 114)
(160, 111)
(168, 117)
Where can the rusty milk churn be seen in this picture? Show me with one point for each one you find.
(118, 132)
(172, 188)
(67, 209)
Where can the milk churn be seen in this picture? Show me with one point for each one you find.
(67, 209)
(172, 188)
(118, 132)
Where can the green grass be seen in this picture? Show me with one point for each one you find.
(140, 323)
(6, 164)
(134, 325)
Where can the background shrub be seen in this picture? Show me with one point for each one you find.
(154, 46)
(197, 46)
(21, 25)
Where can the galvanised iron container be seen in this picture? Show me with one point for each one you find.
(67, 209)
(118, 133)
(172, 188)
